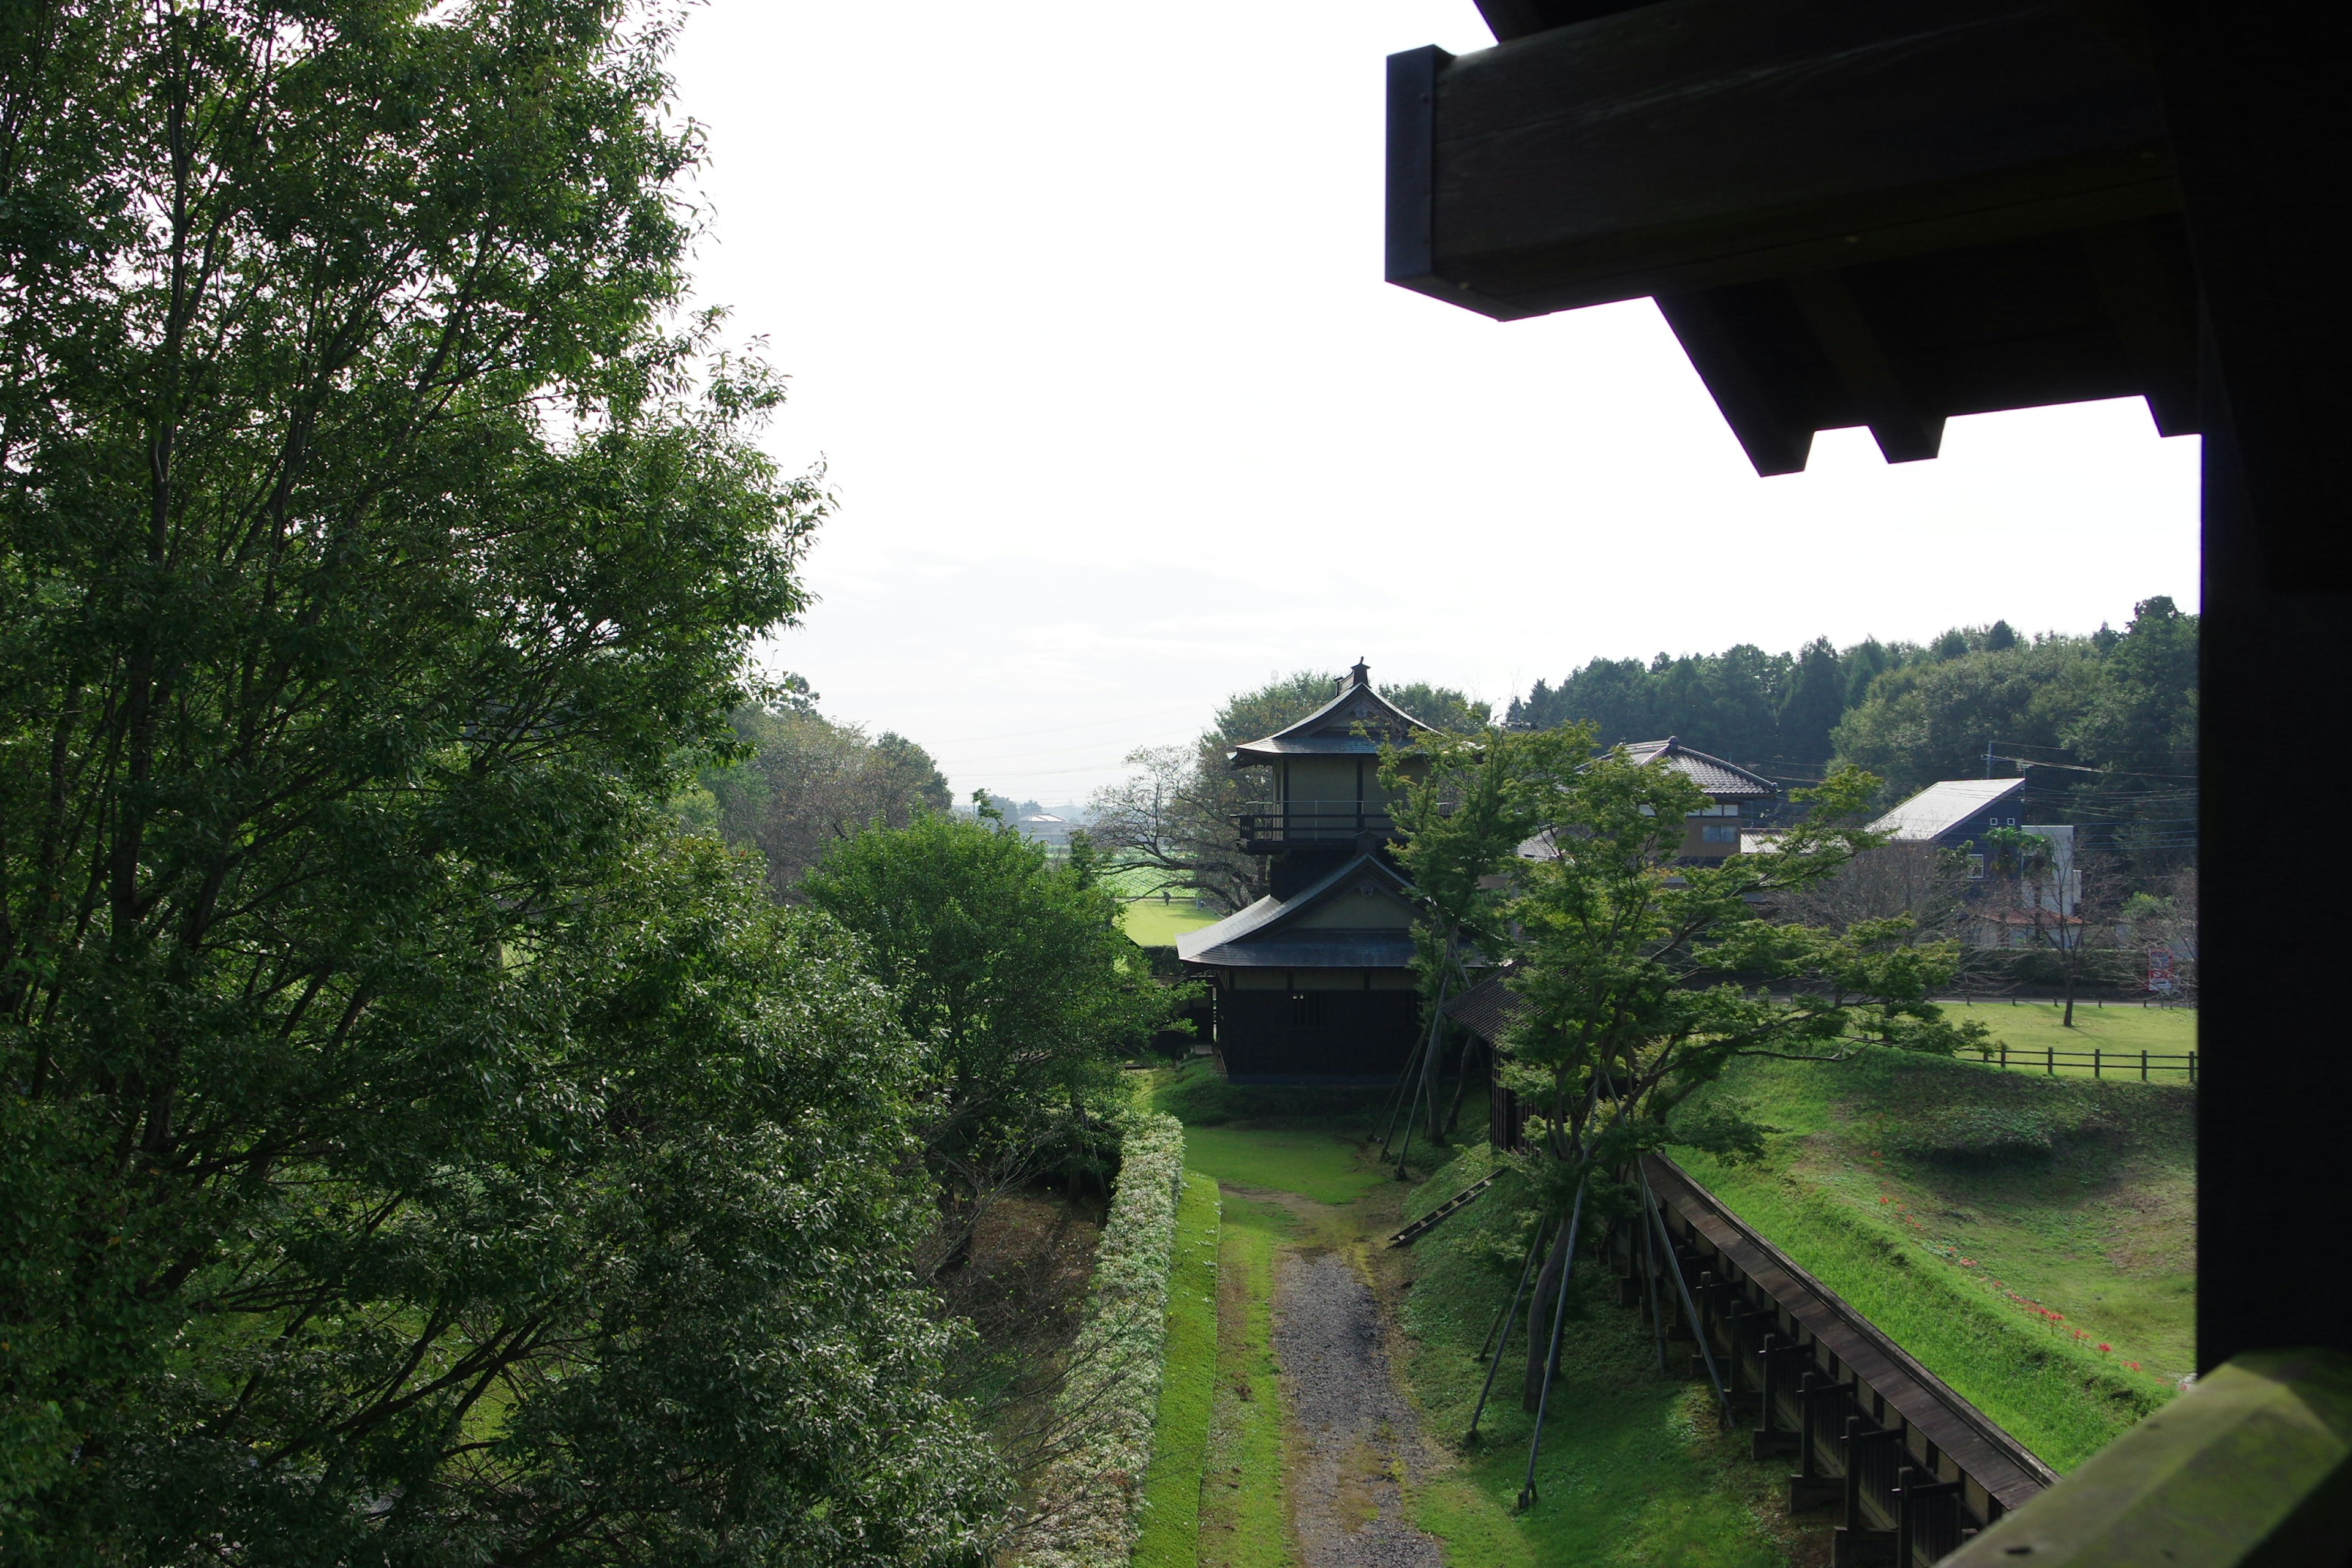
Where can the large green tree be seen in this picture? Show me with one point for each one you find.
(1639, 978)
(408, 1152)
(1011, 967)
(808, 782)
(1935, 720)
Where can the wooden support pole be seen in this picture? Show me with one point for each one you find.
(1551, 1355)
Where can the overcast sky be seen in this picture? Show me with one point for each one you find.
(1083, 312)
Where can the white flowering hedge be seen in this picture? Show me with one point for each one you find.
(1088, 1508)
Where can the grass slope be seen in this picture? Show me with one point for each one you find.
(1316, 1163)
(1180, 1433)
(1633, 1469)
(2000, 1227)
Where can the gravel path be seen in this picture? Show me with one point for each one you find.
(1355, 1432)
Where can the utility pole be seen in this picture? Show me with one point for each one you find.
(1989, 744)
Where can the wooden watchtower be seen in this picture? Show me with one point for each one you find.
(1314, 982)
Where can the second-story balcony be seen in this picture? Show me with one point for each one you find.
(1283, 826)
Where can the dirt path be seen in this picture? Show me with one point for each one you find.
(1355, 1441)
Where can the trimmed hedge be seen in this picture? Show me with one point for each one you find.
(1088, 1508)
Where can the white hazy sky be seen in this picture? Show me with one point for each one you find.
(1083, 309)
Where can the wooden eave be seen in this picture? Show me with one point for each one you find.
(1331, 730)
(1850, 213)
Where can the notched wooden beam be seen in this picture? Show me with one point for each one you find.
(1696, 143)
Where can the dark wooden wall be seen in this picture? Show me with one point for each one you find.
(1364, 1037)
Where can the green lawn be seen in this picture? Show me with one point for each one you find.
(1188, 1389)
(1633, 1469)
(1314, 1161)
(2120, 1031)
(2000, 1227)
(1244, 1520)
(1152, 923)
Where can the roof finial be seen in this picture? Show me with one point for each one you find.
(1359, 673)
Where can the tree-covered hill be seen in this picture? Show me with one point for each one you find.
(2112, 714)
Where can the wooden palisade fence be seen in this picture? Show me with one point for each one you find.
(1914, 1468)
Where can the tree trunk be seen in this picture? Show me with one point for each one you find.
(1461, 1084)
(2069, 1020)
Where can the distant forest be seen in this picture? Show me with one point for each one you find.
(2107, 722)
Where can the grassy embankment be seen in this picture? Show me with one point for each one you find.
(1632, 1471)
(2001, 1226)
(1180, 1430)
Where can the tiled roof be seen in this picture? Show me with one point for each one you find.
(1721, 779)
(1253, 937)
(1941, 807)
(1330, 729)
(1486, 1009)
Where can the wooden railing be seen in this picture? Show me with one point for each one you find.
(1269, 829)
(2250, 1469)
(1914, 1470)
(2101, 1063)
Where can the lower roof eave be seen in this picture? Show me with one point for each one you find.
(1378, 953)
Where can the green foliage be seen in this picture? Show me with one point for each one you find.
(410, 1152)
(802, 784)
(1012, 968)
(1639, 977)
(1932, 720)
(1089, 1506)
(2122, 703)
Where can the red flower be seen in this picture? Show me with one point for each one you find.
(2104, 1346)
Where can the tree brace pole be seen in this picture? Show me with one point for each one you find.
(1510, 1314)
(1551, 1355)
(1698, 1325)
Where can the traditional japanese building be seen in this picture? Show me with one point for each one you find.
(1314, 982)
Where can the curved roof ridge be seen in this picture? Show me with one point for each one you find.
(1359, 703)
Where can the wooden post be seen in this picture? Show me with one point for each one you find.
(2053, 1064)
(2143, 1067)
(2004, 1056)
(1852, 1445)
(2098, 1056)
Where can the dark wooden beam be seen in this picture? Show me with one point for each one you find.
(1695, 144)
(1906, 432)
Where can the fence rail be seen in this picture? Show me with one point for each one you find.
(2101, 1063)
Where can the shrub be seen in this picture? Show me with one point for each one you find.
(1087, 1509)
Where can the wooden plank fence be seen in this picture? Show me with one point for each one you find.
(2101, 1063)
(1914, 1468)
